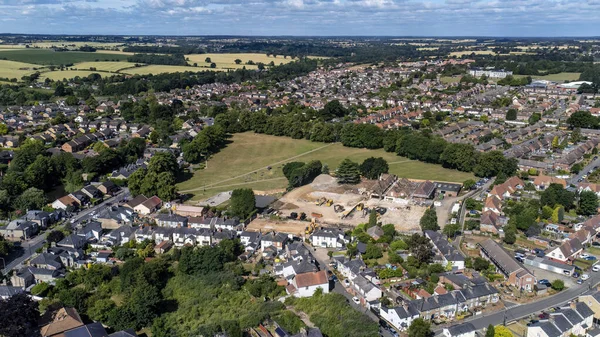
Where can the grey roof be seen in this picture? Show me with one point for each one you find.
(439, 301)
(89, 330)
(561, 323)
(262, 201)
(440, 241)
(72, 240)
(405, 312)
(584, 310)
(8, 291)
(478, 291)
(124, 333)
(172, 218)
(460, 329)
(500, 257)
(47, 259)
(593, 332)
(549, 329)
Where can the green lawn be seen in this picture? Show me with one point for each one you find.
(450, 79)
(47, 57)
(249, 154)
(560, 77)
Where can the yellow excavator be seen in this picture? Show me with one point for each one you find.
(329, 203)
(310, 228)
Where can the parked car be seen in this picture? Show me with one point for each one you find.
(575, 275)
(585, 276)
(584, 255)
(596, 244)
(591, 258)
(596, 267)
(579, 281)
(545, 282)
(355, 300)
(346, 283)
(544, 315)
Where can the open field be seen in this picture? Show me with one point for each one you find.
(12, 69)
(227, 61)
(104, 66)
(450, 79)
(560, 77)
(469, 52)
(158, 69)
(60, 75)
(48, 57)
(61, 44)
(244, 162)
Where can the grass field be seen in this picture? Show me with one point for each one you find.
(560, 77)
(252, 153)
(48, 57)
(68, 74)
(62, 44)
(158, 69)
(12, 69)
(227, 61)
(450, 79)
(469, 52)
(104, 66)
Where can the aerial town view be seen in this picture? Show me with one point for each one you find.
(299, 168)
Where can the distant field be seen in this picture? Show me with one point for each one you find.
(49, 57)
(105, 66)
(560, 77)
(252, 152)
(12, 69)
(450, 79)
(469, 52)
(63, 44)
(225, 61)
(68, 74)
(159, 69)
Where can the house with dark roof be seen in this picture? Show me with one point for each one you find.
(567, 251)
(574, 320)
(171, 220)
(515, 274)
(425, 190)
(399, 317)
(447, 189)
(89, 330)
(446, 252)
(466, 329)
(9, 291)
(72, 241)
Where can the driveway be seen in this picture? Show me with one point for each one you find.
(550, 276)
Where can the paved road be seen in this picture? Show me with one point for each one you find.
(28, 248)
(586, 170)
(516, 312)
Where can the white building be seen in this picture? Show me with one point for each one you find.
(490, 73)
(461, 330)
(399, 317)
(305, 284)
(328, 237)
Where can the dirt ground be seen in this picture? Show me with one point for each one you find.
(289, 226)
(404, 217)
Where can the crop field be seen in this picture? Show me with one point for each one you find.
(245, 162)
(469, 52)
(49, 57)
(12, 69)
(58, 75)
(62, 44)
(104, 66)
(560, 77)
(224, 61)
(159, 69)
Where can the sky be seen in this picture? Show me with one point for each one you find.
(303, 17)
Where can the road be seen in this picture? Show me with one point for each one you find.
(28, 248)
(586, 170)
(323, 264)
(517, 312)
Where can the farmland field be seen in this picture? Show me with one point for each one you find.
(158, 69)
(62, 44)
(469, 52)
(243, 164)
(450, 79)
(48, 57)
(224, 61)
(12, 69)
(104, 66)
(68, 74)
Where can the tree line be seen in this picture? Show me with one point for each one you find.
(164, 59)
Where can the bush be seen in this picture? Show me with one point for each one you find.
(558, 285)
(40, 289)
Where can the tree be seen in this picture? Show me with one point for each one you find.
(242, 203)
(5, 246)
(373, 168)
(3, 129)
(480, 264)
(207, 60)
(450, 230)
(333, 109)
(502, 331)
(40, 173)
(493, 163)
(556, 194)
(429, 220)
(19, 316)
(459, 156)
(32, 198)
(372, 219)
(164, 162)
(372, 251)
(511, 115)
(55, 236)
(588, 203)
(420, 247)
(213, 65)
(468, 184)
(348, 172)
(576, 168)
(420, 328)
(238, 61)
(510, 235)
(582, 119)
(490, 331)
(558, 285)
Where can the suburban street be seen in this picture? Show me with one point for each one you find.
(586, 170)
(517, 312)
(27, 248)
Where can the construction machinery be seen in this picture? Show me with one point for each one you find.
(338, 208)
(360, 206)
(310, 228)
(321, 201)
(329, 203)
(316, 215)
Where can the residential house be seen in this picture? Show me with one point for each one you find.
(19, 230)
(108, 187)
(92, 192)
(448, 253)
(7, 292)
(66, 203)
(305, 285)
(460, 330)
(508, 188)
(171, 220)
(567, 251)
(148, 206)
(114, 216)
(72, 241)
(542, 182)
(425, 190)
(567, 321)
(514, 273)
(399, 317)
(63, 320)
(328, 237)
(276, 240)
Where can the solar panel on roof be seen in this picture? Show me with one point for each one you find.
(280, 332)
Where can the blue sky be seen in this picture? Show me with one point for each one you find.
(304, 17)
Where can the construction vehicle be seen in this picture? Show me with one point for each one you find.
(360, 206)
(302, 216)
(321, 201)
(316, 215)
(338, 208)
(310, 228)
(329, 203)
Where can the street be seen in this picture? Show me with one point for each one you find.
(585, 171)
(27, 248)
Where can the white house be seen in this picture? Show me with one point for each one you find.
(399, 317)
(573, 320)
(366, 289)
(328, 237)
(305, 284)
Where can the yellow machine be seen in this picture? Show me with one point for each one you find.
(321, 201)
(329, 203)
(310, 228)
(360, 207)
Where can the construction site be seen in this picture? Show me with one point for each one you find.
(326, 203)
